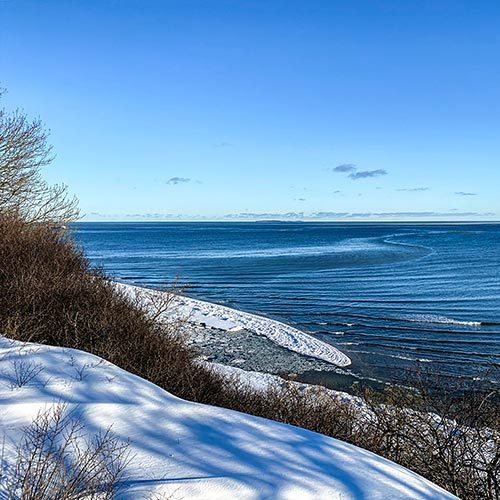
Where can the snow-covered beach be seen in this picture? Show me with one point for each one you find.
(181, 449)
(230, 320)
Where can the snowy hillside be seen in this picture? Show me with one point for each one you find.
(187, 450)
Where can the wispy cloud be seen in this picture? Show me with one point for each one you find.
(290, 216)
(352, 215)
(355, 174)
(390, 215)
(223, 144)
(364, 174)
(414, 190)
(328, 215)
(345, 167)
(265, 216)
(465, 193)
(178, 180)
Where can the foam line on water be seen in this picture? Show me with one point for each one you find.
(430, 318)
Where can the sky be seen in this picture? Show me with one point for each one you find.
(255, 109)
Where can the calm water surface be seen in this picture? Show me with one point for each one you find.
(391, 296)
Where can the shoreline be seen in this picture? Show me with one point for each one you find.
(231, 321)
(241, 341)
(251, 352)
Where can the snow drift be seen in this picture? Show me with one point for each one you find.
(187, 450)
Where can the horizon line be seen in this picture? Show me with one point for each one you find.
(233, 221)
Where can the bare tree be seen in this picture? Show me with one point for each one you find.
(24, 151)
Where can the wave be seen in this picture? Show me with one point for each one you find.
(444, 353)
(430, 318)
(416, 360)
(414, 318)
(323, 332)
(418, 329)
(397, 356)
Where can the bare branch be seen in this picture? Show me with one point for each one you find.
(24, 151)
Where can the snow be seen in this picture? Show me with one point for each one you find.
(228, 319)
(261, 382)
(185, 450)
(256, 381)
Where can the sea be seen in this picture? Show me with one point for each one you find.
(399, 299)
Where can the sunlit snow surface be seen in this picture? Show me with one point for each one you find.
(187, 450)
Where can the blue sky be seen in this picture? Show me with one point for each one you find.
(228, 110)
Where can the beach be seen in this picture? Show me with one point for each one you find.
(225, 337)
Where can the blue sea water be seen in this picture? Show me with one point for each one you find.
(391, 296)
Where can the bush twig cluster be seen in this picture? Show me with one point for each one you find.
(55, 462)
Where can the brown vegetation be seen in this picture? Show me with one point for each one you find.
(50, 294)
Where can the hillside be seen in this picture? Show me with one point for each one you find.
(181, 449)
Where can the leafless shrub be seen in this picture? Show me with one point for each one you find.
(81, 372)
(24, 371)
(49, 294)
(54, 462)
(24, 151)
(160, 303)
(453, 440)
